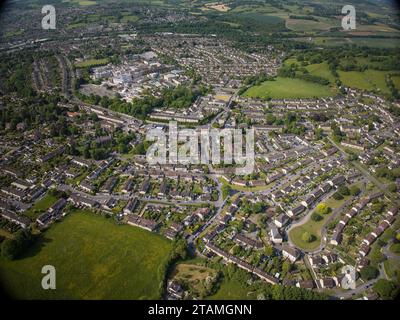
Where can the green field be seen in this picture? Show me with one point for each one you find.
(232, 289)
(367, 80)
(91, 63)
(94, 259)
(41, 206)
(396, 81)
(321, 70)
(309, 25)
(286, 88)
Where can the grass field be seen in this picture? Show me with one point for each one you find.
(287, 88)
(94, 259)
(41, 206)
(361, 41)
(321, 70)
(367, 80)
(396, 81)
(91, 63)
(194, 275)
(309, 25)
(232, 289)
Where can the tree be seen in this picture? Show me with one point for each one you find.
(316, 217)
(322, 208)
(378, 207)
(268, 250)
(385, 289)
(355, 191)
(307, 237)
(286, 267)
(368, 273)
(337, 196)
(12, 248)
(343, 190)
(9, 249)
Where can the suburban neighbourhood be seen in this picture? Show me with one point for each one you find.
(323, 196)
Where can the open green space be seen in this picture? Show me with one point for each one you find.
(313, 227)
(367, 80)
(321, 70)
(232, 289)
(41, 206)
(94, 259)
(91, 63)
(286, 88)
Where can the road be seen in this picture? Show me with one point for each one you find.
(366, 174)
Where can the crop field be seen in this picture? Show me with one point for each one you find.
(286, 88)
(94, 259)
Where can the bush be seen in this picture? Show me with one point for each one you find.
(316, 217)
(355, 191)
(307, 237)
(322, 208)
(369, 272)
(337, 196)
(343, 190)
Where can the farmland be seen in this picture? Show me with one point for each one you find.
(94, 259)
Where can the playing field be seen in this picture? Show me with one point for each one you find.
(94, 259)
(285, 88)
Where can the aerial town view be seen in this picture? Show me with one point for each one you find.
(199, 150)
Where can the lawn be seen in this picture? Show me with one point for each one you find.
(129, 18)
(392, 267)
(286, 88)
(232, 289)
(41, 206)
(313, 227)
(91, 63)
(94, 259)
